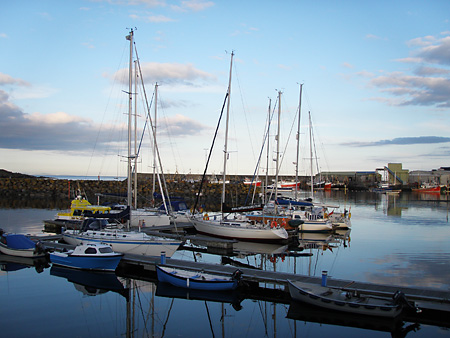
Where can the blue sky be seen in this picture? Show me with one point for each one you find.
(376, 79)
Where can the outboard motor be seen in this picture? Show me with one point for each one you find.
(400, 299)
(237, 275)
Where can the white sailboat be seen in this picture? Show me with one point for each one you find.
(125, 241)
(237, 226)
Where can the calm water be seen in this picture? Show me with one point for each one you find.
(401, 240)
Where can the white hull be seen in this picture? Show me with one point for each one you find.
(315, 226)
(19, 252)
(239, 230)
(136, 243)
(144, 218)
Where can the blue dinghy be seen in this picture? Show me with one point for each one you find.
(197, 280)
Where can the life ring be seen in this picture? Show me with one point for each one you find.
(274, 224)
(283, 223)
(206, 217)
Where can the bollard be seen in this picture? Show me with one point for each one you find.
(163, 257)
(324, 278)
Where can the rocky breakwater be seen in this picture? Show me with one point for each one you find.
(39, 192)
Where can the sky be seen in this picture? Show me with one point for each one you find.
(375, 84)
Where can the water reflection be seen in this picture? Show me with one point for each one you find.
(13, 263)
(90, 283)
(395, 326)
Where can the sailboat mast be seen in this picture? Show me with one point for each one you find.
(135, 138)
(225, 151)
(298, 140)
(311, 155)
(154, 139)
(278, 146)
(268, 152)
(130, 111)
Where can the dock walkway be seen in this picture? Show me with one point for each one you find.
(430, 298)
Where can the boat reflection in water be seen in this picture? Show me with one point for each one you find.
(90, 283)
(13, 263)
(233, 297)
(307, 313)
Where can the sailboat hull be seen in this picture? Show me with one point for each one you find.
(136, 243)
(239, 230)
(144, 218)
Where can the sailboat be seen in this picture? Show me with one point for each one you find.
(125, 241)
(237, 226)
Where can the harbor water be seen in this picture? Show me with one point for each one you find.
(399, 240)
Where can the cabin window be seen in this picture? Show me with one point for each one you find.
(90, 250)
(105, 249)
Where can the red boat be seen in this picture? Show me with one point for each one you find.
(428, 188)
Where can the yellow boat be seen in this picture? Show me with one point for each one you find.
(81, 208)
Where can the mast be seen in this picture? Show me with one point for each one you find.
(135, 138)
(225, 150)
(311, 155)
(298, 140)
(130, 110)
(278, 147)
(268, 153)
(154, 140)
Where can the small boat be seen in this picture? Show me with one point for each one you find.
(197, 280)
(341, 300)
(429, 188)
(19, 245)
(89, 256)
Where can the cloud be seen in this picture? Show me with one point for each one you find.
(170, 73)
(60, 131)
(148, 3)
(416, 90)
(193, 5)
(402, 141)
(6, 79)
(152, 18)
(181, 126)
(437, 53)
(374, 37)
(428, 84)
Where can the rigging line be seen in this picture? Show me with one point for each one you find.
(266, 136)
(164, 190)
(175, 152)
(315, 150)
(142, 311)
(289, 137)
(244, 107)
(100, 129)
(167, 319)
(210, 152)
(209, 318)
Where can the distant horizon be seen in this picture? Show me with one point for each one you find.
(122, 177)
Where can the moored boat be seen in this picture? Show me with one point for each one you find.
(429, 188)
(197, 280)
(19, 245)
(131, 242)
(88, 257)
(242, 228)
(352, 302)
